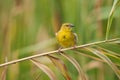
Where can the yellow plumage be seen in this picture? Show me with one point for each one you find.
(65, 36)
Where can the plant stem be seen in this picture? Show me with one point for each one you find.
(56, 51)
(110, 18)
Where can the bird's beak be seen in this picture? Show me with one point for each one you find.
(71, 25)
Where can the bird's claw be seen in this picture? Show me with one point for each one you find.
(59, 50)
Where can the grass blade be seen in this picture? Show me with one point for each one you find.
(45, 69)
(110, 18)
(3, 75)
(76, 65)
(106, 59)
(112, 55)
(4, 72)
(61, 66)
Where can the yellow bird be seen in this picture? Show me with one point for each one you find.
(65, 36)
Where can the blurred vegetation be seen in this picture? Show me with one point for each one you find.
(28, 27)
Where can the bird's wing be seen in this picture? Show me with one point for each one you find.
(76, 38)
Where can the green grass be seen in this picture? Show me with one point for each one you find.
(28, 27)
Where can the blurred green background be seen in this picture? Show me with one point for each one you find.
(27, 26)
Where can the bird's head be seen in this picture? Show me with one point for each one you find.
(67, 26)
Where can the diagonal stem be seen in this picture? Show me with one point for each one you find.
(56, 51)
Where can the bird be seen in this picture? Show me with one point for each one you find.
(66, 37)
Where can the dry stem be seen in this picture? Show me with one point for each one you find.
(56, 51)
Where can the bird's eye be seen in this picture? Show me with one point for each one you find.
(67, 25)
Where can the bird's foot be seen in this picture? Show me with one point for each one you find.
(74, 47)
(59, 50)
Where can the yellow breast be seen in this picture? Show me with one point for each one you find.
(66, 38)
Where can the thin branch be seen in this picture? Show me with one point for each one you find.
(56, 51)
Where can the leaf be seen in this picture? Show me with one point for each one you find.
(106, 59)
(110, 18)
(115, 57)
(112, 51)
(76, 65)
(45, 69)
(3, 75)
(111, 47)
(61, 66)
(86, 53)
(4, 72)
